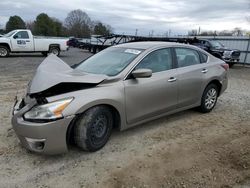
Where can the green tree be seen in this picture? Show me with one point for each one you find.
(15, 22)
(44, 25)
(101, 29)
(58, 27)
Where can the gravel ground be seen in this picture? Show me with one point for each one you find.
(187, 149)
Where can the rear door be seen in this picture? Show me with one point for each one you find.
(148, 97)
(191, 74)
(22, 42)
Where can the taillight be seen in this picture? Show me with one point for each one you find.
(225, 66)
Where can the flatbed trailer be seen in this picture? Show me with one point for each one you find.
(230, 56)
(98, 43)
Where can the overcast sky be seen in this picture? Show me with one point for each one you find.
(125, 16)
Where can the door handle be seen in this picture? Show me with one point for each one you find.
(27, 41)
(204, 71)
(172, 79)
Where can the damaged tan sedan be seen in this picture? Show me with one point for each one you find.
(120, 87)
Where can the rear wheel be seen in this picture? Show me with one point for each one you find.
(209, 98)
(93, 128)
(55, 51)
(4, 51)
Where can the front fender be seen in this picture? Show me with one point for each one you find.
(87, 98)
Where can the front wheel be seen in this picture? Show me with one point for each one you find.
(4, 51)
(209, 98)
(93, 128)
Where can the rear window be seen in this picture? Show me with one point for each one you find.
(187, 57)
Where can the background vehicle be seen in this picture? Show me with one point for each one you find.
(23, 41)
(219, 50)
(73, 42)
(120, 87)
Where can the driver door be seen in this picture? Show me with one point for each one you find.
(149, 97)
(22, 42)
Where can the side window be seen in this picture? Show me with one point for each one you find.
(187, 57)
(207, 44)
(21, 35)
(157, 61)
(203, 57)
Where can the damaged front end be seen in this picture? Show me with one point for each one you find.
(55, 77)
(39, 122)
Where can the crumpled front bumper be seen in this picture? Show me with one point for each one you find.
(47, 138)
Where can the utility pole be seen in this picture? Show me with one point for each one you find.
(169, 32)
(136, 30)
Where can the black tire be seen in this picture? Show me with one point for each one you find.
(207, 104)
(45, 54)
(54, 50)
(4, 51)
(93, 128)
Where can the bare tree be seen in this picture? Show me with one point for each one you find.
(238, 31)
(225, 33)
(78, 23)
(193, 32)
(30, 25)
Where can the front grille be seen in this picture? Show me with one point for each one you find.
(236, 53)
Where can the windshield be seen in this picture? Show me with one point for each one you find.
(110, 61)
(216, 44)
(9, 34)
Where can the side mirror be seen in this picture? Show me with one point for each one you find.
(142, 73)
(15, 37)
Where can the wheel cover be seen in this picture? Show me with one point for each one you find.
(99, 129)
(211, 98)
(55, 51)
(3, 52)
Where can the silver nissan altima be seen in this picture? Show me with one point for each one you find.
(119, 87)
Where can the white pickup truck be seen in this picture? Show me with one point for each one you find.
(22, 40)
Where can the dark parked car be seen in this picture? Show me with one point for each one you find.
(73, 42)
(230, 56)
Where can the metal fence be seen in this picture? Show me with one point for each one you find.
(239, 43)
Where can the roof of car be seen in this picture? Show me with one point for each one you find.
(146, 45)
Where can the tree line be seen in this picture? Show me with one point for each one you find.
(235, 32)
(77, 24)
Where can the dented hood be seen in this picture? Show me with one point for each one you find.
(53, 71)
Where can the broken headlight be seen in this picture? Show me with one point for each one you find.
(50, 111)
